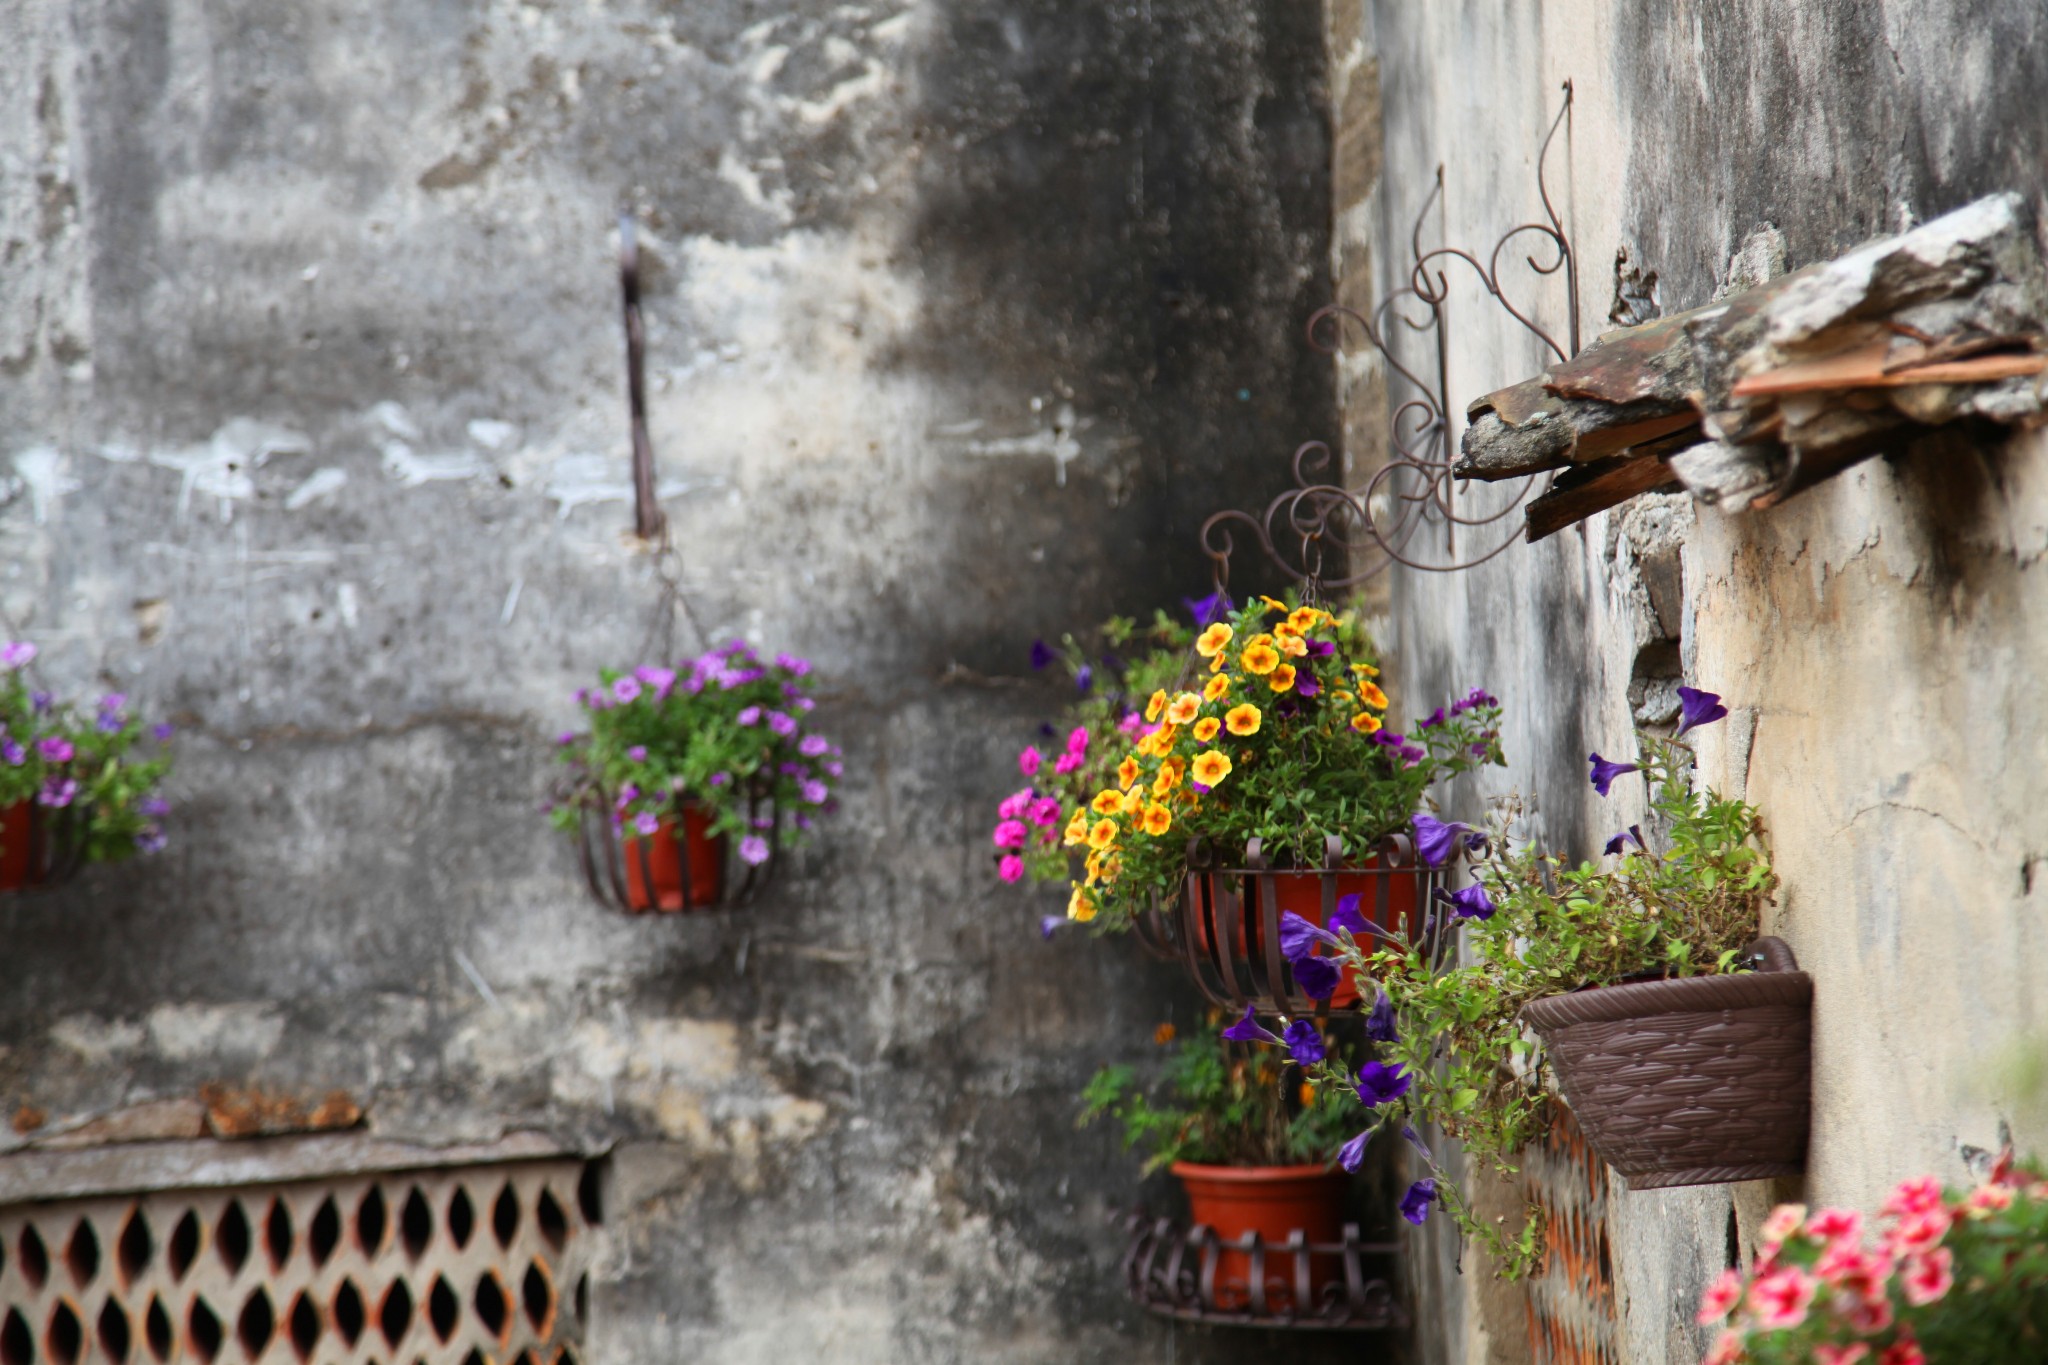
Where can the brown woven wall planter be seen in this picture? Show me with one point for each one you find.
(1695, 1081)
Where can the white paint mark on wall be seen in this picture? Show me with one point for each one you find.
(395, 419)
(318, 484)
(511, 601)
(412, 469)
(223, 465)
(582, 479)
(247, 1028)
(492, 434)
(94, 1039)
(346, 603)
(42, 471)
(1057, 440)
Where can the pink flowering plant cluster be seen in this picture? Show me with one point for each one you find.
(94, 760)
(728, 732)
(1951, 1275)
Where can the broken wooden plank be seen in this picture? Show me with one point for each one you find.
(1591, 488)
(1730, 476)
(1865, 367)
(1555, 433)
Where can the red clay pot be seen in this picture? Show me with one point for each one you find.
(17, 851)
(1302, 893)
(1272, 1201)
(706, 857)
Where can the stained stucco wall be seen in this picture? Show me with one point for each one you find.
(1880, 638)
(960, 317)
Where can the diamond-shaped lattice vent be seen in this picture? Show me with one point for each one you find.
(387, 1268)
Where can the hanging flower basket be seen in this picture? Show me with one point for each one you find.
(1179, 1272)
(1699, 1080)
(1227, 927)
(681, 867)
(40, 846)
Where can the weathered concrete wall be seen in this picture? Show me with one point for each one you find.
(1881, 638)
(960, 317)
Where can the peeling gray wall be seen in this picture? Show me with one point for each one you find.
(1880, 639)
(960, 317)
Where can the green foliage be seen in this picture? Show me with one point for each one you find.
(53, 754)
(1220, 1105)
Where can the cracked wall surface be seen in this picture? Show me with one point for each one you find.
(1879, 638)
(960, 318)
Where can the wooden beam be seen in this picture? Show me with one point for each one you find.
(1591, 488)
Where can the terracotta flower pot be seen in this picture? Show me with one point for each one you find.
(1698, 1080)
(1302, 893)
(17, 847)
(655, 865)
(1273, 1201)
(40, 847)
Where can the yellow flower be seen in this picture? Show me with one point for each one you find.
(1127, 772)
(1271, 603)
(1242, 720)
(1216, 664)
(1102, 835)
(1077, 828)
(1155, 704)
(1163, 1034)
(1218, 685)
(1282, 679)
(1293, 646)
(1370, 695)
(1184, 708)
(1206, 728)
(1365, 722)
(1260, 659)
(1108, 801)
(1308, 1093)
(1158, 820)
(1134, 800)
(1212, 640)
(1211, 767)
(1365, 670)
(1305, 618)
(1080, 906)
(1168, 779)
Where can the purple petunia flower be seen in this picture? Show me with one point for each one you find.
(150, 839)
(1298, 937)
(815, 792)
(1347, 918)
(1473, 700)
(1435, 717)
(833, 767)
(1478, 749)
(627, 795)
(566, 737)
(1316, 977)
(163, 731)
(16, 654)
(1207, 611)
(1697, 708)
(1634, 833)
(1305, 685)
(662, 680)
(1305, 1041)
(55, 750)
(1379, 1024)
(764, 822)
(638, 753)
(1041, 654)
(718, 779)
(781, 724)
(1436, 840)
(1378, 1084)
(804, 821)
(41, 701)
(155, 807)
(56, 793)
(750, 716)
(12, 752)
(1321, 649)
(1470, 903)
(813, 745)
(1387, 739)
(1605, 772)
(1352, 1154)
(1247, 1030)
(646, 822)
(1048, 925)
(1201, 789)
(1415, 1204)
(754, 850)
(1084, 677)
(113, 701)
(108, 723)
(626, 689)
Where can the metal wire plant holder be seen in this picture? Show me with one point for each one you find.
(1380, 524)
(1171, 1270)
(627, 872)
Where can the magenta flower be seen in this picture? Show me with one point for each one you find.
(150, 839)
(1415, 1204)
(1305, 1041)
(16, 654)
(833, 767)
(1010, 867)
(719, 779)
(813, 746)
(12, 752)
(1015, 804)
(1067, 763)
(566, 737)
(814, 792)
(750, 716)
(754, 850)
(1030, 760)
(638, 753)
(781, 724)
(662, 680)
(1128, 726)
(1605, 772)
(1009, 834)
(626, 689)
(1077, 742)
(646, 822)
(1435, 717)
(627, 795)
(792, 664)
(1045, 811)
(1378, 1084)
(56, 793)
(1697, 708)
(54, 749)
(1477, 698)
(1436, 840)
(113, 702)
(1633, 834)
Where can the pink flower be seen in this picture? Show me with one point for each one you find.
(1986, 1200)
(1840, 1355)
(1077, 742)
(1835, 1225)
(1870, 1314)
(1783, 1222)
(1930, 1276)
(1846, 1266)
(1067, 763)
(1919, 1195)
(1920, 1231)
(1028, 762)
(1721, 1296)
(1781, 1299)
(1130, 723)
(1010, 868)
(1045, 811)
(1727, 1349)
(1014, 804)
(1905, 1352)
(1009, 834)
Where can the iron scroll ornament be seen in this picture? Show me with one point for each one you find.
(1415, 487)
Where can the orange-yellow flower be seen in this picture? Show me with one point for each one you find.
(1305, 618)
(1077, 828)
(1216, 664)
(1108, 801)
(1308, 1094)
(1213, 640)
(1370, 695)
(1127, 771)
(1080, 906)
(1272, 604)
(1163, 1034)
(1134, 799)
(1260, 658)
(1167, 780)
(1242, 720)
(1158, 819)
(1211, 767)
(1155, 704)
(1365, 670)
(1365, 722)
(1218, 685)
(1183, 708)
(1102, 835)
(1290, 642)
(1282, 679)
(1206, 728)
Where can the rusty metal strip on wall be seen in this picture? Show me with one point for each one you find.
(1574, 1316)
